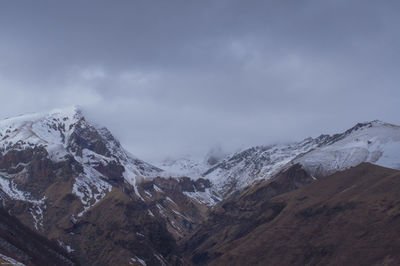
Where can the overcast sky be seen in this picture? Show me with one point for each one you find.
(179, 77)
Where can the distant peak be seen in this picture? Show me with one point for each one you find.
(381, 123)
(362, 126)
(377, 123)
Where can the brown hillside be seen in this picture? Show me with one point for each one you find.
(349, 218)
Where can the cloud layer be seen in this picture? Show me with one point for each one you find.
(175, 77)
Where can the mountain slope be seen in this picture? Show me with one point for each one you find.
(374, 142)
(348, 218)
(19, 244)
(243, 168)
(65, 136)
(73, 182)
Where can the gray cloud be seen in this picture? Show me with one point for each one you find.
(173, 77)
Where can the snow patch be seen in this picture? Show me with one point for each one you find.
(150, 213)
(9, 187)
(137, 259)
(208, 197)
(90, 188)
(65, 246)
(11, 260)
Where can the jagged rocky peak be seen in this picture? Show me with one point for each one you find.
(39, 150)
(63, 133)
(46, 129)
(60, 131)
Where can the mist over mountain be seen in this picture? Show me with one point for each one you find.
(181, 78)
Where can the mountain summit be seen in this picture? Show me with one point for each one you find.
(65, 135)
(72, 181)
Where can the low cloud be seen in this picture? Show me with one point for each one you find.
(177, 78)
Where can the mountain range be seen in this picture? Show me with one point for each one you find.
(69, 180)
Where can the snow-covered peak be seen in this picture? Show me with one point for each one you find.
(72, 113)
(373, 123)
(243, 168)
(61, 132)
(376, 142)
(65, 136)
(49, 129)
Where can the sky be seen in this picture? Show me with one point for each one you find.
(170, 78)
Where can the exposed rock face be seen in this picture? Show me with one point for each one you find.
(349, 218)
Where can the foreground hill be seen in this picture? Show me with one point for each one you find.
(348, 218)
(20, 245)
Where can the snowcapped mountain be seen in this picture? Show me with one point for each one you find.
(243, 168)
(64, 134)
(374, 142)
(72, 181)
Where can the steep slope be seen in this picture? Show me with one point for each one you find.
(374, 142)
(167, 201)
(73, 182)
(184, 167)
(348, 218)
(60, 139)
(19, 245)
(244, 168)
(239, 214)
